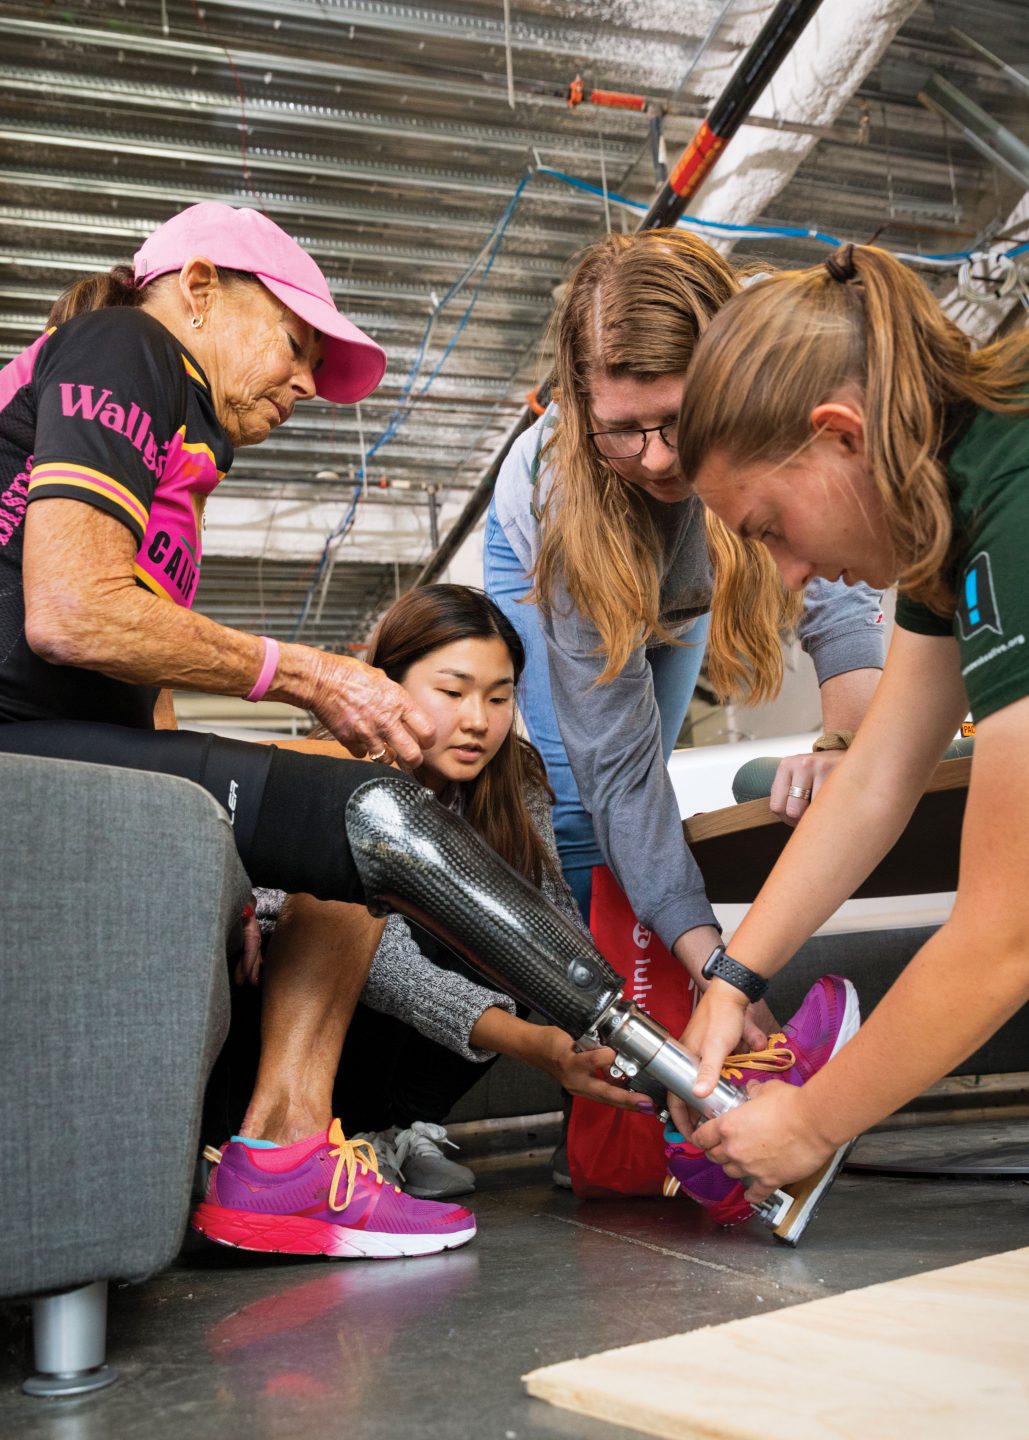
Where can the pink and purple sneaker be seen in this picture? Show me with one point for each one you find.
(828, 1017)
(321, 1196)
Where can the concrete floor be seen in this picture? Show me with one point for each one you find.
(228, 1345)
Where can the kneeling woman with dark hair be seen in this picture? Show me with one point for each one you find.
(427, 1025)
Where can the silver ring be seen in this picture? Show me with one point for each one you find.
(795, 791)
(379, 753)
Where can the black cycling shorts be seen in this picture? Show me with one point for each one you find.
(286, 808)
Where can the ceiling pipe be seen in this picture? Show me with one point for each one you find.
(776, 39)
(759, 64)
(1013, 76)
(1001, 146)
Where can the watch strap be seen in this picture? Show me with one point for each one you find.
(721, 966)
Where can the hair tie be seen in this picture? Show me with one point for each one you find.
(841, 265)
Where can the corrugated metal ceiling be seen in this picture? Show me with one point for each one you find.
(381, 135)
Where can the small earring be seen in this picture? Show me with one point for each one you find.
(196, 321)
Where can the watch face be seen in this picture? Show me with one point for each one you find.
(712, 962)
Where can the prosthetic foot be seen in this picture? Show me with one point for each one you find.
(417, 858)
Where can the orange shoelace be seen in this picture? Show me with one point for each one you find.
(777, 1056)
(353, 1158)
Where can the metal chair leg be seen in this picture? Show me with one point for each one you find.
(69, 1333)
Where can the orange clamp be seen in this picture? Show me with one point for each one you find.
(618, 100)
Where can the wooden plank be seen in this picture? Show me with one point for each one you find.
(939, 1356)
(737, 847)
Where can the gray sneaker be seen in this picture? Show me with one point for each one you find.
(383, 1142)
(427, 1173)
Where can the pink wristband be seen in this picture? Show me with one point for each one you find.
(268, 668)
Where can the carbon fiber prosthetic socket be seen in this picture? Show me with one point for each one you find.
(416, 857)
(420, 859)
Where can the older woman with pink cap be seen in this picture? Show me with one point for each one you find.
(137, 400)
(115, 427)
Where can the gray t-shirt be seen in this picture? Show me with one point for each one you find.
(612, 732)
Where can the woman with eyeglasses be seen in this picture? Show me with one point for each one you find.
(616, 580)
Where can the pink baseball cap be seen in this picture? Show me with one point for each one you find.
(352, 364)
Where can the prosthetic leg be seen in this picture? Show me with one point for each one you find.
(417, 858)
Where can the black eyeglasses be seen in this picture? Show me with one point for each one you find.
(627, 444)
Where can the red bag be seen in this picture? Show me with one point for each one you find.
(614, 1152)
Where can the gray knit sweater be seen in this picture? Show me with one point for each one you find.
(442, 1004)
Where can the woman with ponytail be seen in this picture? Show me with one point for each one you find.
(606, 564)
(837, 416)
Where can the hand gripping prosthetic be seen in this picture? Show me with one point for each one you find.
(418, 858)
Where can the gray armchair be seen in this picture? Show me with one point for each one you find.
(119, 891)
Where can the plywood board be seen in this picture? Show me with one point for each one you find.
(939, 1356)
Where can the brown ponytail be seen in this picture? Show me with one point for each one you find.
(750, 610)
(868, 324)
(100, 291)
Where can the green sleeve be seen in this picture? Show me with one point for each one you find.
(920, 619)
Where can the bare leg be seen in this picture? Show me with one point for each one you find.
(315, 969)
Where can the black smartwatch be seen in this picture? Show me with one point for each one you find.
(721, 966)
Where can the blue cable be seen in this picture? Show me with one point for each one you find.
(790, 232)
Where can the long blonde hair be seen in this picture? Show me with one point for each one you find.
(635, 307)
(862, 320)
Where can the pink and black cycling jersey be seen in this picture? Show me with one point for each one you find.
(110, 410)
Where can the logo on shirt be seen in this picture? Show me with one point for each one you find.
(133, 423)
(13, 502)
(977, 602)
(178, 563)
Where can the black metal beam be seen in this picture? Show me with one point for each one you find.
(777, 38)
(474, 508)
